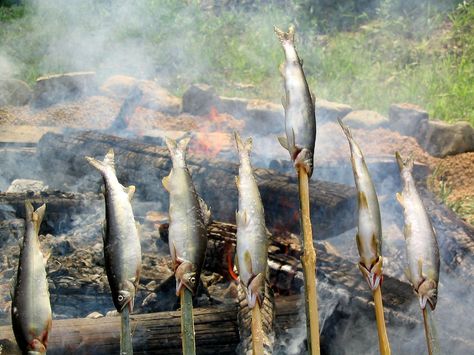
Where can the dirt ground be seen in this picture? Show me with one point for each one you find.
(452, 178)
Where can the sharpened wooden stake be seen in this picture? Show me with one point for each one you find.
(126, 346)
(308, 261)
(430, 332)
(187, 322)
(257, 330)
(383, 338)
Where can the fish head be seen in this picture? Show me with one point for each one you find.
(373, 274)
(126, 296)
(304, 158)
(36, 347)
(186, 276)
(428, 293)
(256, 290)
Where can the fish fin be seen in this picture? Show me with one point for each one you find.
(420, 268)
(237, 181)
(173, 255)
(407, 273)
(171, 144)
(363, 200)
(285, 37)
(283, 142)
(166, 183)
(248, 261)
(37, 217)
(241, 146)
(241, 218)
(400, 198)
(46, 256)
(345, 129)
(407, 230)
(283, 102)
(130, 191)
(404, 163)
(301, 61)
(104, 229)
(236, 262)
(313, 97)
(107, 163)
(205, 210)
(183, 143)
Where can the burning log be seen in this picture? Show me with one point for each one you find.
(131, 102)
(144, 165)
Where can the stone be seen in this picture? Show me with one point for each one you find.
(234, 106)
(153, 97)
(327, 111)
(199, 99)
(407, 119)
(53, 89)
(94, 315)
(11, 231)
(441, 139)
(14, 92)
(365, 119)
(265, 116)
(25, 185)
(118, 86)
(158, 98)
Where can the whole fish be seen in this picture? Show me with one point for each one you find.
(31, 308)
(422, 247)
(189, 217)
(369, 233)
(252, 240)
(300, 117)
(122, 250)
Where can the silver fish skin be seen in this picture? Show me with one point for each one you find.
(420, 237)
(189, 217)
(300, 116)
(31, 307)
(122, 249)
(252, 240)
(369, 234)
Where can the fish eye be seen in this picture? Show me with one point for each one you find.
(192, 279)
(120, 298)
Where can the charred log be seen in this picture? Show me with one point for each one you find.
(145, 165)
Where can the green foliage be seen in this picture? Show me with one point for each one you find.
(398, 51)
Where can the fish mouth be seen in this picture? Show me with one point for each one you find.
(129, 304)
(423, 300)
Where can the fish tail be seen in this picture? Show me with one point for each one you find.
(285, 37)
(345, 129)
(177, 147)
(106, 165)
(35, 216)
(243, 147)
(404, 163)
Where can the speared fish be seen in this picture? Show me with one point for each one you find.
(300, 117)
(252, 240)
(122, 250)
(189, 217)
(31, 308)
(422, 247)
(369, 234)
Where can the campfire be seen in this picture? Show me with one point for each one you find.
(48, 154)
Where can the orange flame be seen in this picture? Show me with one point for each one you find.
(211, 140)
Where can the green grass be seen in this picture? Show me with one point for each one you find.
(368, 54)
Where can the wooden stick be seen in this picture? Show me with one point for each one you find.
(430, 333)
(379, 316)
(126, 346)
(187, 322)
(257, 330)
(308, 261)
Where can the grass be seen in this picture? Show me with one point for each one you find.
(368, 54)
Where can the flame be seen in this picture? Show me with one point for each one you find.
(212, 139)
